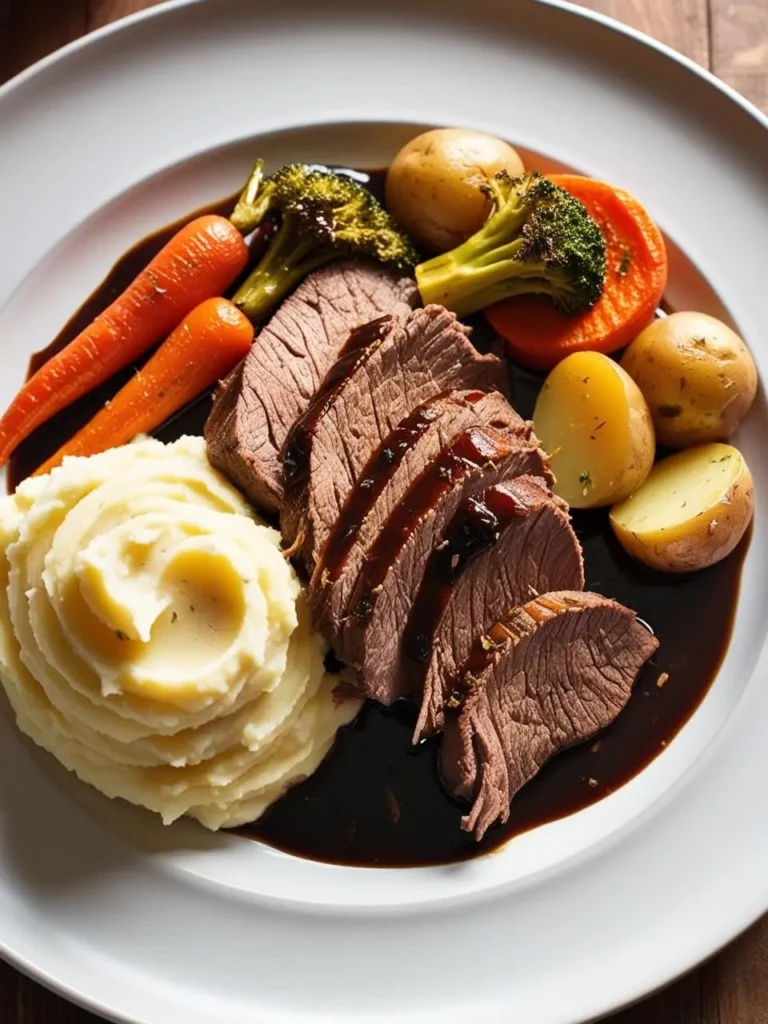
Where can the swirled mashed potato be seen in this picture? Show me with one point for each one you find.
(154, 639)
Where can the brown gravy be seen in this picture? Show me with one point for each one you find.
(377, 800)
(374, 479)
(470, 450)
(475, 528)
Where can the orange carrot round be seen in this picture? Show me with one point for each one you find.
(200, 261)
(539, 336)
(205, 346)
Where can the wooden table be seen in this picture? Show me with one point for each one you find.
(731, 38)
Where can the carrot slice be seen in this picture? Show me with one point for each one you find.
(200, 261)
(204, 348)
(539, 336)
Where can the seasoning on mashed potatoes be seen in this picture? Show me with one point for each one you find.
(154, 639)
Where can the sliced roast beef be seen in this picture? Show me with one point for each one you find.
(502, 548)
(553, 673)
(384, 481)
(383, 375)
(260, 400)
(380, 606)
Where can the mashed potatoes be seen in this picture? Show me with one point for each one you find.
(154, 639)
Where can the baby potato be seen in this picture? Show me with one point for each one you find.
(592, 420)
(691, 512)
(697, 377)
(433, 184)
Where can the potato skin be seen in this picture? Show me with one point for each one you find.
(697, 376)
(700, 541)
(433, 184)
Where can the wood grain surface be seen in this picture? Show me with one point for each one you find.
(731, 38)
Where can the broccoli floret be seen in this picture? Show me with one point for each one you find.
(538, 238)
(322, 216)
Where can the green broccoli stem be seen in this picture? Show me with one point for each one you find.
(291, 256)
(485, 268)
(539, 239)
(248, 214)
(474, 276)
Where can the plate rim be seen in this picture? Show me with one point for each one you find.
(93, 39)
(95, 36)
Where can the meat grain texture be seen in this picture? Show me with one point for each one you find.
(555, 672)
(401, 457)
(372, 642)
(415, 360)
(533, 550)
(417, 500)
(258, 403)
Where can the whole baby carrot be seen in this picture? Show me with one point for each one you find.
(207, 344)
(201, 260)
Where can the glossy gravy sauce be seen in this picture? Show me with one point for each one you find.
(377, 800)
(475, 529)
(376, 475)
(472, 449)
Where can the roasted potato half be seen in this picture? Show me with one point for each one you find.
(696, 375)
(434, 184)
(691, 512)
(592, 420)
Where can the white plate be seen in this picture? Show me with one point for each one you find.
(140, 123)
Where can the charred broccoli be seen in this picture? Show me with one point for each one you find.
(322, 216)
(538, 238)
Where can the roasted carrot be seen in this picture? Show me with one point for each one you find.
(537, 335)
(205, 346)
(200, 261)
